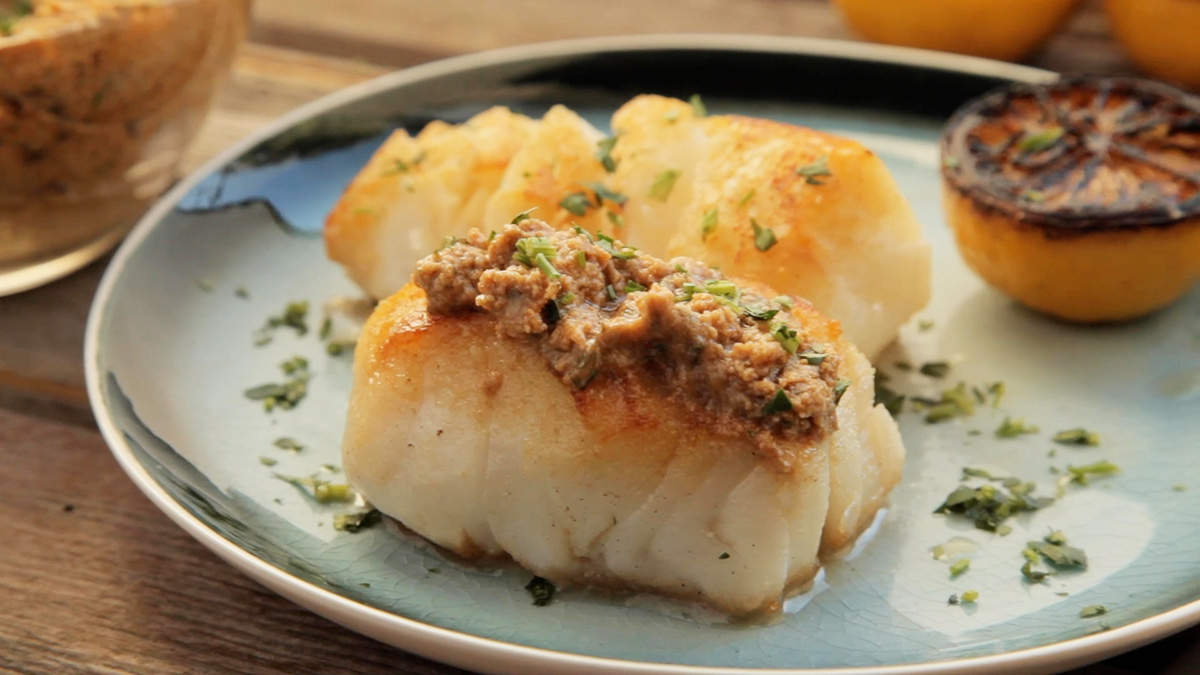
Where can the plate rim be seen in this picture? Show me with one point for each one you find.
(487, 655)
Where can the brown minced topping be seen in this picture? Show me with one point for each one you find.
(598, 308)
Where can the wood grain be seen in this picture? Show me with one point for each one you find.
(110, 585)
(94, 579)
(405, 32)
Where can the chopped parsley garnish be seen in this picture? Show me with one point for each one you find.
(341, 347)
(892, 401)
(1092, 611)
(988, 506)
(1035, 196)
(785, 336)
(267, 461)
(544, 264)
(996, 389)
(839, 389)
(954, 402)
(1084, 474)
(936, 369)
(610, 291)
(1052, 551)
(723, 288)
(447, 241)
(815, 170)
(723, 556)
(662, 186)
(746, 198)
(576, 203)
(242, 292)
(205, 285)
(326, 329)
(542, 591)
(783, 301)
(1041, 140)
(19, 9)
(287, 394)
(1077, 437)
(814, 357)
(615, 218)
(294, 365)
(581, 259)
(924, 325)
(565, 299)
(354, 522)
(959, 567)
(632, 286)
(400, 166)
(320, 490)
(778, 403)
(603, 193)
(517, 219)
(1035, 576)
(708, 223)
(970, 596)
(764, 238)
(1011, 428)
(294, 317)
(698, 108)
(609, 245)
(288, 443)
(759, 313)
(604, 150)
(529, 248)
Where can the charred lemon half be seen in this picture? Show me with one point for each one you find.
(1079, 198)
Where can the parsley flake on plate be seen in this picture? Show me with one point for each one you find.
(764, 237)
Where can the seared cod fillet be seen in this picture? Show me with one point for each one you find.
(810, 214)
(469, 422)
(415, 192)
(832, 225)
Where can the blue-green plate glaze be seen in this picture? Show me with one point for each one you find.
(168, 359)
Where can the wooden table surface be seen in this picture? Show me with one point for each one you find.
(93, 578)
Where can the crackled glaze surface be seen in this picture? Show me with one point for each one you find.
(169, 360)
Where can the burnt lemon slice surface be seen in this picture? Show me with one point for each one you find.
(1079, 198)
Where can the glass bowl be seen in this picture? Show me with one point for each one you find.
(99, 100)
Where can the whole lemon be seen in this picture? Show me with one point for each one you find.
(997, 29)
(1161, 36)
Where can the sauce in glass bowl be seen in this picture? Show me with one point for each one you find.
(98, 102)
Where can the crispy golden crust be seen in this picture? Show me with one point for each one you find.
(414, 192)
(847, 241)
(845, 237)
